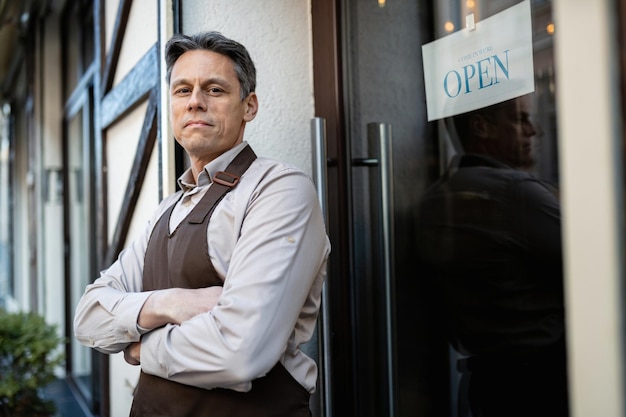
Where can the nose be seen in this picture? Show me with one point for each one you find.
(529, 129)
(196, 100)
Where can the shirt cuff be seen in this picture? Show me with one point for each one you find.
(127, 314)
(150, 348)
(142, 330)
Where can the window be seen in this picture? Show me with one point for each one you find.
(6, 212)
(78, 181)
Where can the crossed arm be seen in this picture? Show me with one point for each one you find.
(171, 306)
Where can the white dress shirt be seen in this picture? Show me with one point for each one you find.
(268, 242)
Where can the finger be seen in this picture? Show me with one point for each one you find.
(129, 358)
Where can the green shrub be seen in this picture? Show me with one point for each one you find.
(28, 357)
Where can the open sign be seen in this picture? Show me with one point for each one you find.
(470, 69)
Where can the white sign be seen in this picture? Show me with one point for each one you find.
(481, 65)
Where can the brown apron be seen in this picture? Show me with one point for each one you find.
(181, 260)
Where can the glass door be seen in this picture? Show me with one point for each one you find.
(406, 352)
(399, 368)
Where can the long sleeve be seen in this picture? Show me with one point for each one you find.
(273, 258)
(106, 315)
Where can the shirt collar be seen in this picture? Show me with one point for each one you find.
(186, 181)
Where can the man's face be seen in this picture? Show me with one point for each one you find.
(207, 113)
(511, 133)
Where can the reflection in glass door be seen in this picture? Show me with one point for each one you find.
(404, 364)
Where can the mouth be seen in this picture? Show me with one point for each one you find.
(196, 123)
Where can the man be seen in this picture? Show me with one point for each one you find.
(249, 224)
(489, 240)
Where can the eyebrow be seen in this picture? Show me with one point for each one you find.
(212, 80)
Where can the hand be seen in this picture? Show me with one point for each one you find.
(132, 354)
(184, 304)
(176, 305)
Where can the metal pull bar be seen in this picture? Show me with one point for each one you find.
(380, 141)
(318, 138)
(318, 143)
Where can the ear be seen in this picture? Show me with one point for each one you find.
(480, 126)
(251, 104)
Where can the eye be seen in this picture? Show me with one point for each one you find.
(215, 90)
(182, 90)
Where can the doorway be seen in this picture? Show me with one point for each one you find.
(389, 356)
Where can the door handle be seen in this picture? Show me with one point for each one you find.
(320, 164)
(379, 137)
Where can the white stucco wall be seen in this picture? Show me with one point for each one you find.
(277, 34)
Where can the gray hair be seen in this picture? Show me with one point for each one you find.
(214, 42)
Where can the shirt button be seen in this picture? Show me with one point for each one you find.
(291, 240)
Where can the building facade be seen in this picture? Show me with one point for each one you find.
(86, 154)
